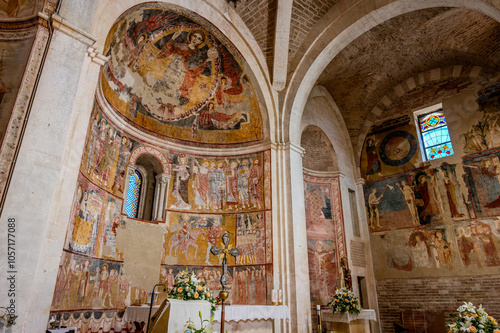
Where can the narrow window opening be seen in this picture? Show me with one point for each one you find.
(133, 195)
(434, 135)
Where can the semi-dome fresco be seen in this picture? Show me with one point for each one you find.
(172, 73)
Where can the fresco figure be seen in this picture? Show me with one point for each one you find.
(260, 287)
(321, 264)
(232, 182)
(409, 196)
(123, 155)
(485, 238)
(489, 180)
(82, 286)
(444, 254)
(201, 184)
(218, 186)
(419, 251)
(213, 234)
(95, 288)
(100, 148)
(373, 162)
(465, 247)
(451, 194)
(373, 202)
(243, 177)
(181, 192)
(255, 185)
(70, 273)
(426, 202)
(180, 69)
(92, 144)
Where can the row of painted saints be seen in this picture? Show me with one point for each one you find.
(85, 283)
(472, 244)
(218, 184)
(197, 183)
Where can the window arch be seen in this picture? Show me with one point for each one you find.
(146, 187)
(434, 134)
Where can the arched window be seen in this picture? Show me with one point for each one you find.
(134, 193)
(434, 134)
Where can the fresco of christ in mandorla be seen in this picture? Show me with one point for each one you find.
(172, 76)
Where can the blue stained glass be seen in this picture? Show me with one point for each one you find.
(435, 136)
(134, 189)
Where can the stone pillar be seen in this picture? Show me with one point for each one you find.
(161, 195)
(44, 180)
(291, 270)
(129, 173)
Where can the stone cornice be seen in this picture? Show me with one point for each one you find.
(70, 30)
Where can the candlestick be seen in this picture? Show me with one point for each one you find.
(280, 297)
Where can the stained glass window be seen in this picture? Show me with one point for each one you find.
(134, 191)
(435, 135)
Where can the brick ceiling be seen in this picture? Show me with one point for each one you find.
(372, 65)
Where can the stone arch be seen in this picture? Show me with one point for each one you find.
(321, 111)
(422, 79)
(317, 57)
(141, 150)
(220, 14)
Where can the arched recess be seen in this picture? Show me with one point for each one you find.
(151, 200)
(221, 15)
(318, 57)
(323, 125)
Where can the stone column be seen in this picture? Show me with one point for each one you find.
(291, 270)
(160, 198)
(44, 180)
(129, 173)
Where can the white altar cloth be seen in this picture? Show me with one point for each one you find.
(252, 312)
(180, 313)
(329, 316)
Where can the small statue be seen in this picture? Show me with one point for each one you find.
(346, 278)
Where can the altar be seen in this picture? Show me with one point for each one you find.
(348, 323)
(180, 313)
(250, 318)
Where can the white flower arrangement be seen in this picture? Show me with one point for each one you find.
(474, 320)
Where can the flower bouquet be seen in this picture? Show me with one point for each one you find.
(187, 287)
(344, 300)
(472, 319)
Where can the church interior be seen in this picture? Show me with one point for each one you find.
(134, 134)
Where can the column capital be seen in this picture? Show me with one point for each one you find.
(289, 146)
(96, 56)
(360, 181)
(163, 178)
(130, 169)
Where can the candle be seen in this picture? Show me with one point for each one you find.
(274, 296)
(280, 296)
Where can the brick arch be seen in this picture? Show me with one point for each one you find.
(141, 150)
(422, 79)
(344, 27)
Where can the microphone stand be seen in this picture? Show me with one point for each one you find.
(152, 300)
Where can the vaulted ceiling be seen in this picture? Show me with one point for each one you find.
(387, 55)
